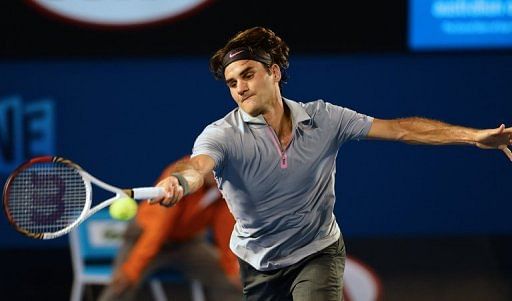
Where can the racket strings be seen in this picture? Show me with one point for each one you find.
(47, 197)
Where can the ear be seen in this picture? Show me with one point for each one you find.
(276, 72)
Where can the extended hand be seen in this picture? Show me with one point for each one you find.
(173, 192)
(498, 138)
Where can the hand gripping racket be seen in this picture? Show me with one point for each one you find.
(46, 197)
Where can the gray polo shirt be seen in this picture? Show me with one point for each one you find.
(283, 202)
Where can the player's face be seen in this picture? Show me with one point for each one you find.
(252, 86)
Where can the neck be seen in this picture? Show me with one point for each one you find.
(279, 118)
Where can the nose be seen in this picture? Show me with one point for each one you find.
(241, 88)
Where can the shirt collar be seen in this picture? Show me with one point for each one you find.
(251, 119)
(297, 111)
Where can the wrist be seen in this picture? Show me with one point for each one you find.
(183, 183)
(473, 136)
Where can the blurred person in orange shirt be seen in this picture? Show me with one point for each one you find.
(160, 237)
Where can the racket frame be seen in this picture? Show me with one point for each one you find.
(88, 179)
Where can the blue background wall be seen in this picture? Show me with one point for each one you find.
(124, 120)
(432, 222)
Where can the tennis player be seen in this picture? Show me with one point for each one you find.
(274, 160)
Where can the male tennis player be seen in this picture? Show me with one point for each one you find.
(274, 161)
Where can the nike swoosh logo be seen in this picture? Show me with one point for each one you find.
(232, 55)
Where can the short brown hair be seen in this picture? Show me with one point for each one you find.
(262, 41)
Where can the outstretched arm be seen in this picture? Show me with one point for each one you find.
(415, 130)
(187, 178)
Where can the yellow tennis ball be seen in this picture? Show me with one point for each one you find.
(123, 209)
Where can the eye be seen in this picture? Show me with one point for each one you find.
(231, 84)
(249, 75)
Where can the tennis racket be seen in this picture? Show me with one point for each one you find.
(47, 197)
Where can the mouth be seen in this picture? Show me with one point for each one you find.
(246, 98)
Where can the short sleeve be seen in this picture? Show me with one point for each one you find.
(348, 124)
(211, 142)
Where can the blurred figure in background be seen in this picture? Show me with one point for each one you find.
(176, 237)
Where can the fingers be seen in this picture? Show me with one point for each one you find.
(499, 129)
(173, 192)
(509, 132)
(507, 152)
(168, 188)
(172, 199)
(502, 129)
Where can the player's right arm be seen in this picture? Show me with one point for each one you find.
(187, 178)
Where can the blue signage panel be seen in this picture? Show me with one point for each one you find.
(460, 24)
(26, 130)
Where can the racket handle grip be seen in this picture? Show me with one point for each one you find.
(148, 193)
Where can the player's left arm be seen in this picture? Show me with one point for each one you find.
(416, 130)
